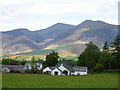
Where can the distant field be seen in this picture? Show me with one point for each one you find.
(64, 51)
(40, 54)
(104, 80)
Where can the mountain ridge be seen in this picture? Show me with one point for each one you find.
(57, 35)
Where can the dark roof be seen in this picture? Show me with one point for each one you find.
(52, 68)
(59, 69)
(82, 69)
(66, 66)
(0, 66)
(13, 67)
(38, 63)
(34, 63)
(27, 64)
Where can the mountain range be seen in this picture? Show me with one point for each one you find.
(68, 40)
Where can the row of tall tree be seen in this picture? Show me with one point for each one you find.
(97, 60)
(10, 61)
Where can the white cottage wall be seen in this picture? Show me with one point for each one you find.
(80, 73)
(47, 69)
(5, 69)
(39, 66)
(56, 70)
(62, 68)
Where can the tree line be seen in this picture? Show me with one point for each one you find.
(98, 61)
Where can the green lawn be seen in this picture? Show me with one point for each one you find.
(103, 80)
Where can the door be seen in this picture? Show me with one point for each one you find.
(55, 73)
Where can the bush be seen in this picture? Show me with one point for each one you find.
(112, 70)
(46, 73)
(34, 70)
(14, 71)
(28, 71)
(41, 71)
(65, 72)
(23, 71)
(98, 68)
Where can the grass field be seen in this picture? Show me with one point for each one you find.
(103, 80)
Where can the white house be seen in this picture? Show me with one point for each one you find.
(79, 71)
(47, 70)
(60, 68)
(63, 67)
(5, 69)
(56, 71)
(39, 65)
(28, 66)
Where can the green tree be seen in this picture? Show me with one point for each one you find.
(6, 61)
(106, 46)
(40, 60)
(34, 66)
(116, 51)
(51, 59)
(70, 62)
(34, 70)
(9, 61)
(23, 62)
(33, 61)
(90, 56)
(65, 72)
(98, 68)
(106, 59)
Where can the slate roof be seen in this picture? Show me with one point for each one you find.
(59, 69)
(82, 69)
(66, 66)
(27, 64)
(70, 68)
(52, 68)
(13, 67)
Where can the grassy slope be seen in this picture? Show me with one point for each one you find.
(65, 51)
(42, 53)
(105, 80)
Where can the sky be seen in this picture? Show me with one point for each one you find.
(40, 14)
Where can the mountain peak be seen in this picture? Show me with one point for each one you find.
(90, 23)
(88, 20)
(60, 25)
(21, 29)
(17, 30)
